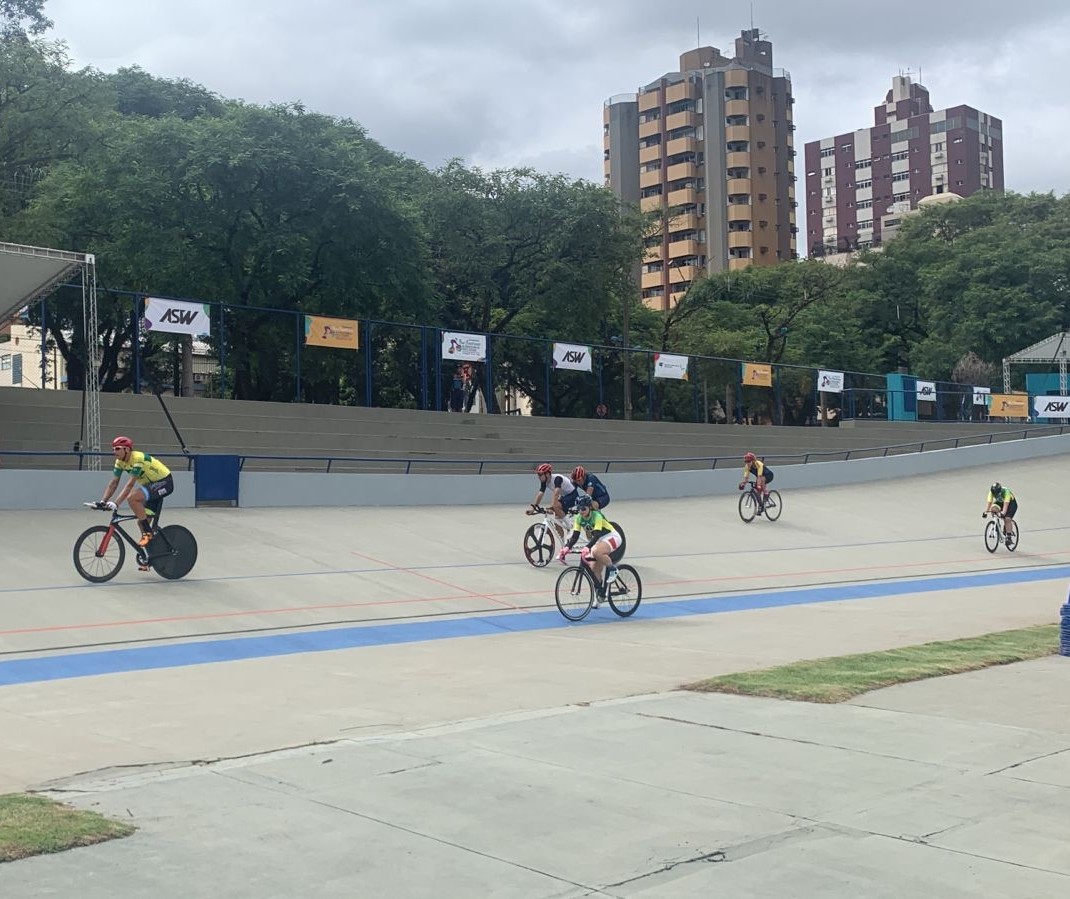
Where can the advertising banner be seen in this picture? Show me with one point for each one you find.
(927, 391)
(176, 317)
(572, 357)
(757, 374)
(1051, 406)
(343, 333)
(669, 366)
(830, 381)
(981, 395)
(469, 347)
(1010, 405)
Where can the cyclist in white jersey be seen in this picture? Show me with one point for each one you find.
(562, 493)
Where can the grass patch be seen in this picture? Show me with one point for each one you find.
(843, 677)
(33, 825)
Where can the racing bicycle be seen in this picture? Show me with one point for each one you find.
(540, 540)
(994, 534)
(100, 551)
(575, 590)
(751, 503)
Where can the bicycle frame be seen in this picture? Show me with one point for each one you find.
(115, 527)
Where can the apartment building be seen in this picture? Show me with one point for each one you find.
(860, 184)
(710, 148)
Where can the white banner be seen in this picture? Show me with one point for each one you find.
(981, 395)
(667, 366)
(830, 381)
(927, 391)
(176, 317)
(572, 357)
(470, 347)
(1051, 406)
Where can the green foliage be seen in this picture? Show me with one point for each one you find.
(21, 18)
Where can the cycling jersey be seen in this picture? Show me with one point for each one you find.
(1005, 497)
(757, 468)
(142, 467)
(595, 522)
(600, 494)
(557, 480)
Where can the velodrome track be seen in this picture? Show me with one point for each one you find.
(310, 625)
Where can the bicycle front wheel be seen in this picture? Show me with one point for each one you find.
(992, 540)
(748, 506)
(172, 552)
(626, 591)
(1012, 545)
(574, 593)
(772, 507)
(99, 553)
(539, 545)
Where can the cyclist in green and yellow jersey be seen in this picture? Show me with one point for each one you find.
(1001, 500)
(150, 481)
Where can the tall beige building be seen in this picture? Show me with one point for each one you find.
(711, 149)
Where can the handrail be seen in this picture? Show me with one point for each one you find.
(605, 465)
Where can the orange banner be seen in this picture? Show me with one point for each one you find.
(342, 333)
(757, 374)
(1009, 405)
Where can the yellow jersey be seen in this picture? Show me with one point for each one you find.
(142, 467)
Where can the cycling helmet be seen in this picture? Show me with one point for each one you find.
(996, 489)
(579, 474)
(122, 441)
(749, 457)
(545, 468)
(583, 502)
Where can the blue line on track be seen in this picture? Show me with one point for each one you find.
(176, 655)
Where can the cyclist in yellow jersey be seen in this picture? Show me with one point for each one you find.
(763, 474)
(604, 540)
(1001, 500)
(150, 481)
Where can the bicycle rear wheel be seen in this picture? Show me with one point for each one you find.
(748, 506)
(539, 545)
(992, 540)
(772, 507)
(618, 553)
(1013, 545)
(94, 563)
(172, 552)
(574, 592)
(626, 592)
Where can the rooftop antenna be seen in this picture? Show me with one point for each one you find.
(698, 32)
(752, 17)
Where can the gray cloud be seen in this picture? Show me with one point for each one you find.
(503, 84)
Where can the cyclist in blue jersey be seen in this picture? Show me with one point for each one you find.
(591, 485)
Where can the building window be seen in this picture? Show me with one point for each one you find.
(846, 147)
(862, 185)
(827, 172)
(5, 361)
(901, 176)
(939, 147)
(868, 223)
(863, 163)
(900, 156)
(864, 204)
(825, 154)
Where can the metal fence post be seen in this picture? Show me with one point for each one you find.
(423, 368)
(368, 365)
(297, 356)
(222, 351)
(44, 347)
(488, 376)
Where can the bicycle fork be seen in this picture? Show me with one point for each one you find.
(103, 548)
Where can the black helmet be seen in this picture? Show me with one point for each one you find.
(583, 502)
(996, 489)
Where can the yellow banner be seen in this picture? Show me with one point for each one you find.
(336, 332)
(1009, 405)
(757, 374)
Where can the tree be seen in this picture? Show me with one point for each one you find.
(19, 18)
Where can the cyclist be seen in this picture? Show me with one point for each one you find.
(1001, 500)
(591, 485)
(562, 493)
(150, 481)
(603, 541)
(763, 474)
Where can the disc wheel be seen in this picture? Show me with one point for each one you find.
(539, 545)
(93, 563)
(172, 552)
(748, 507)
(574, 593)
(992, 540)
(772, 506)
(626, 592)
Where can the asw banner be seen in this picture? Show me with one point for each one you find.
(572, 357)
(927, 391)
(1009, 405)
(981, 395)
(343, 333)
(1052, 406)
(830, 381)
(469, 347)
(757, 374)
(176, 317)
(669, 366)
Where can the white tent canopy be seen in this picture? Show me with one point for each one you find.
(1050, 351)
(28, 274)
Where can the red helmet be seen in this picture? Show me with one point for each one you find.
(579, 474)
(749, 457)
(545, 468)
(122, 441)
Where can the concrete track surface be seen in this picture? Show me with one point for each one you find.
(478, 745)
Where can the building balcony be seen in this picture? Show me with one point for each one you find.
(684, 197)
(649, 179)
(740, 239)
(682, 90)
(739, 186)
(737, 161)
(680, 276)
(739, 212)
(652, 254)
(649, 154)
(653, 279)
(685, 248)
(650, 204)
(680, 171)
(688, 221)
(648, 128)
(649, 100)
(681, 145)
(735, 265)
(737, 107)
(737, 132)
(686, 119)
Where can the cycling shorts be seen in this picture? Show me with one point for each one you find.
(158, 489)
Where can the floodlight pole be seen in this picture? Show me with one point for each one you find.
(92, 374)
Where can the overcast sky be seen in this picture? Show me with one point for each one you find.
(503, 83)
